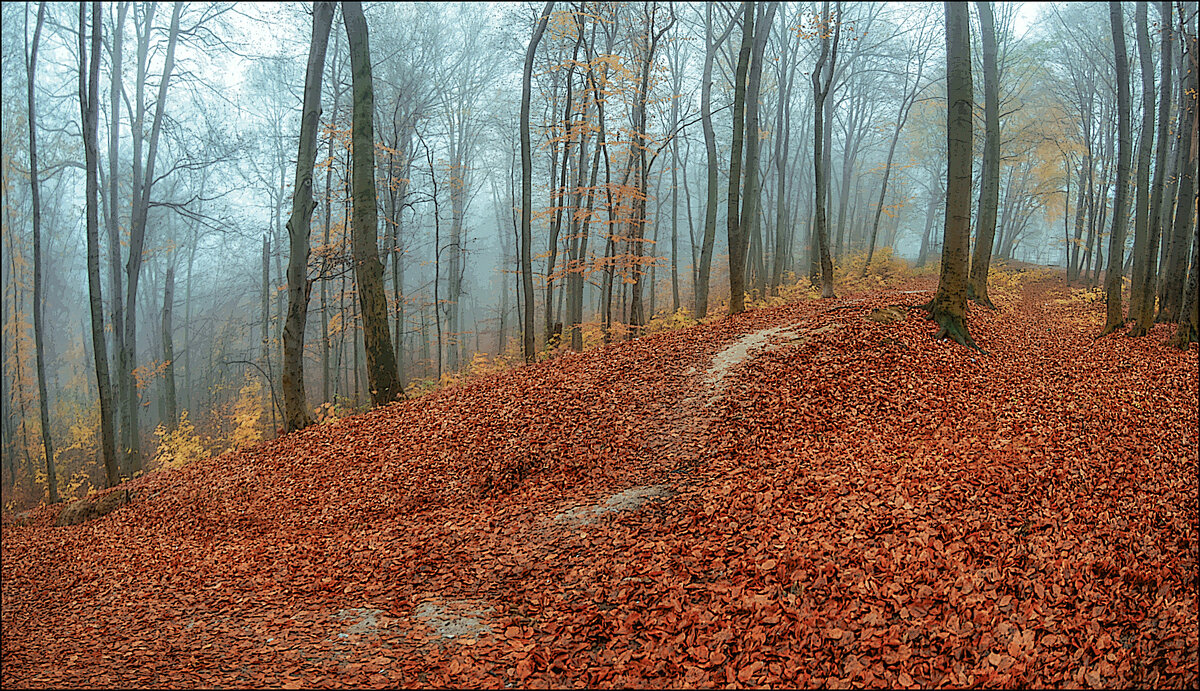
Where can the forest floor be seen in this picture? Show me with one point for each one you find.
(795, 496)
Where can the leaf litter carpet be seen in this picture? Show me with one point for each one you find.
(844, 503)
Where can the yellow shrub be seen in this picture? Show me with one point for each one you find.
(180, 446)
(247, 415)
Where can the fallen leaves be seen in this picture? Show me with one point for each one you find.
(846, 514)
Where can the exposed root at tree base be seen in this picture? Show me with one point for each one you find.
(985, 301)
(951, 326)
(1112, 328)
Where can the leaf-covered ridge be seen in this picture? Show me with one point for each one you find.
(861, 505)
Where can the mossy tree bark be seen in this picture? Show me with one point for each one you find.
(295, 404)
(368, 271)
(1145, 208)
(949, 305)
(1115, 315)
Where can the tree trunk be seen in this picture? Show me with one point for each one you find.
(137, 240)
(733, 223)
(89, 117)
(39, 336)
(710, 145)
(170, 406)
(1115, 317)
(905, 107)
(295, 404)
(751, 191)
(989, 184)
(114, 160)
(785, 78)
(368, 271)
(1189, 317)
(527, 186)
(1175, 269)
(949, 305)
(1145, 230)
(821, 86)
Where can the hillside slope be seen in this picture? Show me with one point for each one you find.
(853, 504)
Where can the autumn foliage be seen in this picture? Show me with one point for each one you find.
(859, 506)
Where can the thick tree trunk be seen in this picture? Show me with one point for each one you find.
(295, 403)
(527, 186)
(89, 117)
(989, 183)
(949, 305)
(1170, 294)
(368, 271)
(1115, 316)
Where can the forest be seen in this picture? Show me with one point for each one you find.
(655, 344)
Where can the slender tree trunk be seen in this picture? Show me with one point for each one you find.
(752, 191)
(1145, 247)
(949, 305)
(89, 117)
(822, 78)
(710, 145)
(737, 261)
(295, 403)
(989, 184)
(905, 107)
(785, 79)
(527, 186)
(170, 406)
(1115, 317)
(39, 335)
(137, 239)
(114, 159)
(381, 360)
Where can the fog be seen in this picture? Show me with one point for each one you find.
(222, 140)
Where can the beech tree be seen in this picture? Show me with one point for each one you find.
(295, 404)
(381, 359)
(989, 181)
(1115, 315)
(822, 78)
(949, 305)
(526, 189)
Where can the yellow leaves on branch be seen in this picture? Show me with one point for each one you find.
(143, 376)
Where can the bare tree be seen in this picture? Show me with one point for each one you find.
(527, 186)
(295, 404)
(89, 118)
(1115, 316)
